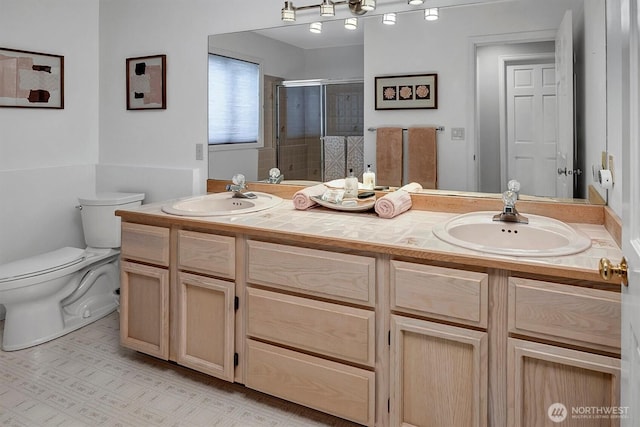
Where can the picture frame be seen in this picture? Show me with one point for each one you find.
(147, 83)
(414, 91)
(31, 79)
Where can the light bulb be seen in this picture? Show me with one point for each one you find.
(431, 14)
(315, 27)
(351, 23)
(389, 18)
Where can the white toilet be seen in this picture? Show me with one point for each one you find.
(52, 294)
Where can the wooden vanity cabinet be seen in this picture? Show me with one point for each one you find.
(206, 303)
(438, 364)
(574, 366)
(307, 340)
(203, 296)
(144, 289)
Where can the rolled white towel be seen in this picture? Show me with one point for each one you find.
(412, 187)
(302, 198)
(393, 204)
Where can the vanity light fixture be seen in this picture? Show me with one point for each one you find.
(431, 14)
(351, 23)
(315, 27)
(368, 5)
(389, 18)
(327, 8)
(288, 12)
(415, 2)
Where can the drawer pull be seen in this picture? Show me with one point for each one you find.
(608, 270)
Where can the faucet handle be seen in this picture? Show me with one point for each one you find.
(513, 185)
(509, 198)
(238, 179)
(274, 173)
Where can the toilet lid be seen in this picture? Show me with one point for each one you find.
(41, 264)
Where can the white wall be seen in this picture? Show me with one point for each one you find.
(47, 157)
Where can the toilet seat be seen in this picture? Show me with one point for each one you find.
(41, 264)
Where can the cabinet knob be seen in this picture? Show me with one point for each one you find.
(608, 270)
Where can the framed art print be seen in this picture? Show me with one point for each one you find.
(31, 79)
(406, 92)
(146, 83)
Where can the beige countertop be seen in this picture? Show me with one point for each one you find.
(407, 235)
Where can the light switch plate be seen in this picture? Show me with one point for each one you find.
(457, 134)
(199, 152)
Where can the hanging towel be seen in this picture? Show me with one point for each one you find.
(334, 157)
(355, 155)
(422, 156)
(389, 156)
(302, 198)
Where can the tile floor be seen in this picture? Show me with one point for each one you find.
(86, 379)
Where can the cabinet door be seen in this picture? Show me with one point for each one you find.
(438, 374)
(206, 325)
(550, 385)
(144, 309)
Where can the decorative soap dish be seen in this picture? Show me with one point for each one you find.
(359, 206)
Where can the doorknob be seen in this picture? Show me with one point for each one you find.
(608, 270)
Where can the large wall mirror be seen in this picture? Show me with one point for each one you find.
(521, 94)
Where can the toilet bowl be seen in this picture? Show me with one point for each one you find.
(51, 294)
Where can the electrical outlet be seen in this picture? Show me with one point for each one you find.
(199, 152)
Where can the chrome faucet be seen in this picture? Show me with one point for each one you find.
(238, 187)
(509, 212)
(275, 177)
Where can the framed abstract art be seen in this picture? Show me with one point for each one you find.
(31, 79)
(146, 83)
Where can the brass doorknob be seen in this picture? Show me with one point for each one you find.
(608, 270)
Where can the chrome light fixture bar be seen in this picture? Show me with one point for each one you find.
(288, 12)
(327, 8)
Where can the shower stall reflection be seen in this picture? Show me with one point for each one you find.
(318, 129)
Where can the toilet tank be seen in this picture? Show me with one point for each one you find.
(100, 224)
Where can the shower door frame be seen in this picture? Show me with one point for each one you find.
(323, 83)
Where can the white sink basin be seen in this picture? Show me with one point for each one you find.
(221, 204)
(541, 237)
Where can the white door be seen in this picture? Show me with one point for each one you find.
(531, 128)
(630, 103)
(564, 94)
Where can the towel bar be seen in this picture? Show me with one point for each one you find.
(438, 128)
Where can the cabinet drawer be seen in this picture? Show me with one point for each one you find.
(207, 253)
(326, 274)
(146, 243)
(443, 293)
(332, 330)
(341, 390)
(570, 314)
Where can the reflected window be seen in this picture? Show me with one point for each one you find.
(234, 102)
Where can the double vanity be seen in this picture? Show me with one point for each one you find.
(379, 321)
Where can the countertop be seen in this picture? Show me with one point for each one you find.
(407, 235)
